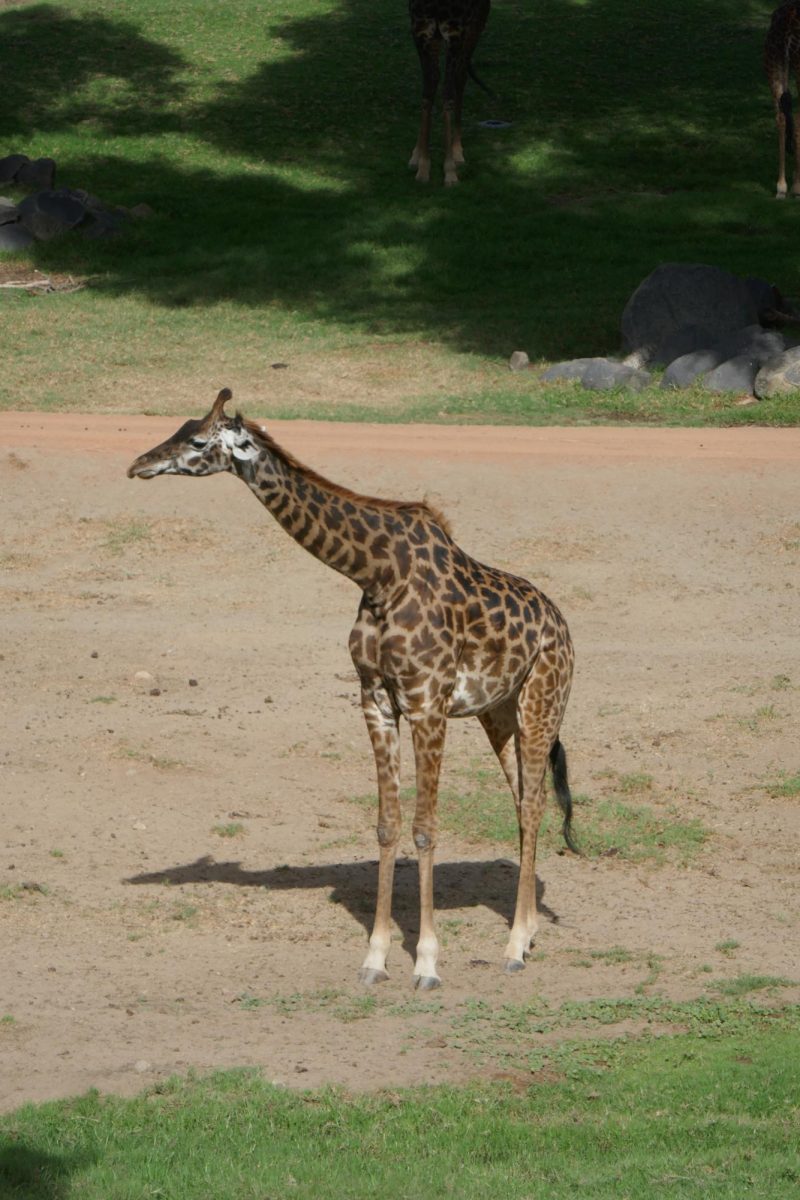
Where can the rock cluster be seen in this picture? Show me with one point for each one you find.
(51, 212)
(704, 326)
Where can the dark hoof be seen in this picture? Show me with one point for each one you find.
(512, 965)
(426, 983)
(368, 976)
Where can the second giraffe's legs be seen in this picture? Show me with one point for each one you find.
(455, 75)
(428, 49)
(539, 718)
(428, 735)
(385, 737)
(781, 122)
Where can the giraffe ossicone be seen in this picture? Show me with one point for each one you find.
(437, 635)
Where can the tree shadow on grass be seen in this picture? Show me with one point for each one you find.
(52, 56)
(31, 1174)
(293, 192)
(457, 885)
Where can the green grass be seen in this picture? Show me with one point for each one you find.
(230, 829)
(673, 1117)
(271, 142)
(786, 786)
(480, 809)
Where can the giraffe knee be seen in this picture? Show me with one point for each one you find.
(388, 834)
(423, 839)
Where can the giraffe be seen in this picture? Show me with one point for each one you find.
(458, 24)
(437, 635)
(782, 58)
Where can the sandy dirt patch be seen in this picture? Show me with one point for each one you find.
(185, 880)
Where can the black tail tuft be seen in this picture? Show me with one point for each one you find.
(786, 109)
(558, 763)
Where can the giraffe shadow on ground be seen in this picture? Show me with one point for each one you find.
(459, 885)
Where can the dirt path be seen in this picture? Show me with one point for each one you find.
(185, 880)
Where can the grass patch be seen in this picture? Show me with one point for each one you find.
(122, 534)
(272, 149)
(482, 810)
(785, 786)
(230, 830)
(682, 1117)
(743, 985)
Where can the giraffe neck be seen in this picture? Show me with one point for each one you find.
(360, 537)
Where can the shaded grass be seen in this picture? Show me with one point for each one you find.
(271, 145)
(682, 1117)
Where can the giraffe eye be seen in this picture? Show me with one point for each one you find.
(197, 444)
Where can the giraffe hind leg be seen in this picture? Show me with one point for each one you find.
(428, 48)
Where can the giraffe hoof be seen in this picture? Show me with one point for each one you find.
(426, 983)
(368, 976)
(512, 965)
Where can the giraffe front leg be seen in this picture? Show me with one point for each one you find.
(384, 733)
(428, 735)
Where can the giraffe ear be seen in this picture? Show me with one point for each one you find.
(219, 404)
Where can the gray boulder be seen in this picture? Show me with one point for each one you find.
(684, 370)
(572, 369)
(13, 237)
(734, 375)
(519, 360)
(597, 374)
(780, 376)
(676, 295)
(8, 211)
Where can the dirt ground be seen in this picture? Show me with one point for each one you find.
(185, 880)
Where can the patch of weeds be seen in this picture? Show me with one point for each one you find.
(341, 1005)
(186, 912)
(7, 1020)
(785, 786)
(122, 534)
(350, 839)
(103, 700)
(160, 763)
(617, 954)
(56, 853)
(10, 891)
(764, 715)
(780, 683)
(728, 946)
(230, 830)
(635, 782)
(611, 828)
(742, 985)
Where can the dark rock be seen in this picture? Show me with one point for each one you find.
(10, 165)
(48, 214)
(40, 173)
(13, 237)
(761, 344)
(675, 295)
(8, 211)
(777, 377)
(764, 295)
(682, 341)
(734, 375)
(102, 225)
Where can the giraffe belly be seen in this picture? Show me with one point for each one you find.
(472, 694)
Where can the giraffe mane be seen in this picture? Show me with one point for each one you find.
(285, 456)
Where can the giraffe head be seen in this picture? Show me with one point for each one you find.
(216, 443)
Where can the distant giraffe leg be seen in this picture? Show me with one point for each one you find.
(501, 729)
(428, 733)
(539, 715)
(455, 75)
(778, 89)
(429, 49)
(385, 737)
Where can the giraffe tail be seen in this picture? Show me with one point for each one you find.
(786, 109)
(558, 763)
(474, 75)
